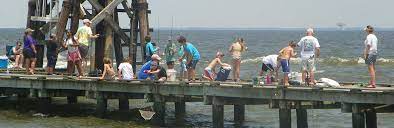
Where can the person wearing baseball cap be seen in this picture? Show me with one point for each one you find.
(370, 54)
(83, 36)
(310, 49)
(192, 55)
(29, 51)
(143, 72)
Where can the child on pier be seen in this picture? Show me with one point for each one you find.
(284, 60)
(52, 51)
(157, 72)
(209, 72)
(108, 73)
(125, 70)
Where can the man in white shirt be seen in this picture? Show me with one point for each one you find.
(125, 70)
(370, 54)
(310, 49)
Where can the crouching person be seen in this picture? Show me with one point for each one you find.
(209, 72)
(157, 72)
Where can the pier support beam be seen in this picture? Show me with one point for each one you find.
(302, 116)
(371, 119)
(123, 103)
(239, 114)
(284, 115)
(101, 107)
(217, 112)
(358, 118)
(159, 106)
(72, 99)
(180, 112)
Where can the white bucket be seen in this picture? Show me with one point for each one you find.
(171, 75)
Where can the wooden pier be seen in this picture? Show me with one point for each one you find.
(363, 103)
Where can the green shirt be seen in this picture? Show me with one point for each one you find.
(83, 35)
(170, 51)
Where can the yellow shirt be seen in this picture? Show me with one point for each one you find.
(83, 35)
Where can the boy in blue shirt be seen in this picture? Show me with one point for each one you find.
(149, 48)
(192, 55)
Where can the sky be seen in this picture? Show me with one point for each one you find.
(245, 13)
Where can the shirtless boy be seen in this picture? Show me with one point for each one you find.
(284, 60)
(209, 72)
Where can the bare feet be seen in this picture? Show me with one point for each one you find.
(371, 86)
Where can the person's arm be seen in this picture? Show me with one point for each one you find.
(154, 72)
(221, 63)
(292, 53)
(14, 50)
(317, 52)
(119, 73)
(104, 72)
(231, 49)
(368, 47)
(34, 48)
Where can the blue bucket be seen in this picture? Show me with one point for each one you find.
(3, 63)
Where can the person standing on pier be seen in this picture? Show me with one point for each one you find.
(52, 51)
(83, 35)
(310, 49)
(236, 50)
(284, 60)
(182, 64)
(149, 48)
(370, 54)
(170, 52)
(192, 55)
(29, 51)
(73, 57)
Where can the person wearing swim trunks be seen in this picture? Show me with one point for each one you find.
(370, 54)
(284, 61)
(192, 55)
(29, 51)
(310, 49)
(270, 63)
(210, 70)
(236, 50)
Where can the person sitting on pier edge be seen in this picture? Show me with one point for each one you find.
(52, 51)
(16, 55)
(370, 54)
(142, 75)
(209, 72)
(73, 55)
(125, 70)
(149, 48)
(310, 49)
(170, 52)
(156, 72)
(284, 58)
(193, 56)
(83, 35)
(270, 63)
(108, 73)
(29, 51)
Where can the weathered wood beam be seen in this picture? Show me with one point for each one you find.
(108, 20)
(63, 18)
(105, 12)
(109, 35)
(127, 8)
(76, 9)
(117, 44)
(142, 8)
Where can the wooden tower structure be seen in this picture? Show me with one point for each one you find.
(49, 16)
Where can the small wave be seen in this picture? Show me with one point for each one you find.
(330, 60)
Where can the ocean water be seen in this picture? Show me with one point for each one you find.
(340, 60)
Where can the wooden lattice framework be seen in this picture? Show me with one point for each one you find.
(105, 21)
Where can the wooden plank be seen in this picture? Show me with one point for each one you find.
(108, 20)
(127, 9)
(105, 12)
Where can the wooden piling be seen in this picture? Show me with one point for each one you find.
(371, 119)
(358, 118)
(134, 37)
(180, 112)
(217, 112)
(72, 99)
(117, 42)
(159, 106)
(239, 114)
(123, 102)
(75, 15)
(109, 38)
(284, 115)
(143, 23)
(302, 116)
(30, 12)
(62, 22)
(101, 107)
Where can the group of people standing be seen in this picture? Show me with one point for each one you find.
(310, 50)
(78, 45)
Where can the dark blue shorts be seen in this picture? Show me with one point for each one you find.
(285, 65)
(371, 59)
(192, 64)
(267, 67)
(51, 61)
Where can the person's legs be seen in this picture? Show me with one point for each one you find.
(235, 69)
(238, 69)
(33, 65)
(17, 61)
(79, 68)
(27, 66)
(371, 69)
